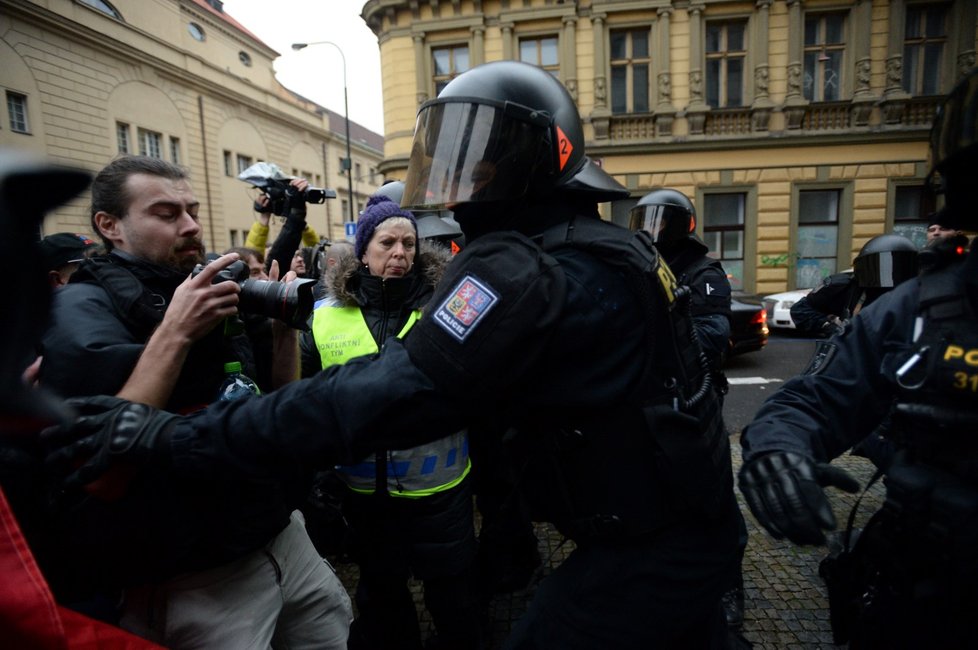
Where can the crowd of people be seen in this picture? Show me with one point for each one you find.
(437, 371)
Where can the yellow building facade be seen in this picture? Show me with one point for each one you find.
(176, 79)
(798, 127)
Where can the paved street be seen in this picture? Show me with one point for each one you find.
(786, 605)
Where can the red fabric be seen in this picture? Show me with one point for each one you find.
(29, 617)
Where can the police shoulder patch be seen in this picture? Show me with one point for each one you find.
(466, 305)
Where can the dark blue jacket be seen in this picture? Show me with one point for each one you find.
(846, 393)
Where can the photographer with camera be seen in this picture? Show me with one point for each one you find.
(219, 561)
(287, 197)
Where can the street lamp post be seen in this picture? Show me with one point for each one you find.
(348, 162)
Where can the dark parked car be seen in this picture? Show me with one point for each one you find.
(748, 323)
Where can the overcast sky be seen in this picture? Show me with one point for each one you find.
(317, 71)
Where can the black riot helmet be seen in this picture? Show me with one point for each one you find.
(432, 224)
(885, 261)
(499, 132)
(666, 214)
(954, 152)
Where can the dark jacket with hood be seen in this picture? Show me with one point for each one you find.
(439, 526)
(157, 525)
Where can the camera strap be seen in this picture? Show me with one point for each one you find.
(136, 306)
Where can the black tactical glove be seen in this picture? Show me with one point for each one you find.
(108, 430)
(784, 491)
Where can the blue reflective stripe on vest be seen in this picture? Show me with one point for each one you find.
(341, 334)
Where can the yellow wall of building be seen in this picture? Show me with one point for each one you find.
(864, 161)
(84, 73)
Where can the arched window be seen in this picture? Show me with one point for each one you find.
(196, 31)
(104, 7)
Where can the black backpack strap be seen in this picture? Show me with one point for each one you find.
(942, 294)
(138, 308)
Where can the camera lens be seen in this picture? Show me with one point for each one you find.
(291, 303)
(315, 195)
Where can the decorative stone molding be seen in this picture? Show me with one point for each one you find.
(863, 76)
(571, 85)
(600, 122)
(761, 81)
(795, 104)
(966, 61)
(863, 99)
(600, 91)
(895, 99)
(665, 88)
(695, 87)
(663, 122)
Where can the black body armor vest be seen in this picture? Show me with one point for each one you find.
(674, 411)
(936, 413)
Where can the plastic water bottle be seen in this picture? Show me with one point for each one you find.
(236, 384)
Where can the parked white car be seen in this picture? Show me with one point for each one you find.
(778, 306)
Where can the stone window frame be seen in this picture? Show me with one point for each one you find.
(749, 279)
(745, 58)
(196, 32)
(921, 42)
(554, 69)
(848, 37)
(149, 142)
(650, 63)
(176, 156)
(123, 137)
(843, 253)
(243, 162)
(928, 198)
(452, 45)
(18, 114)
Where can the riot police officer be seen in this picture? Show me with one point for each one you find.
(912, 578)
(556, 323)
(883, 262)
(670, 218)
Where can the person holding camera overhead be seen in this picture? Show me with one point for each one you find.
(202, 562)
(295, 223)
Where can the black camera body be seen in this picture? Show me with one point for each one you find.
(290, 303)
(282, 196)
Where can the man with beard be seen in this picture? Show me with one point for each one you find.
(211, 561)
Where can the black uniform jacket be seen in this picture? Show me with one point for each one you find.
(846, 392)
(836, 296)
(162, 525)
(710, 298)
(507, 323)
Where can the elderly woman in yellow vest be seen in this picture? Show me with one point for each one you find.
(410, 510)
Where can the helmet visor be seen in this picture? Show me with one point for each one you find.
(885, 269)
(666, 223)
(471, 152)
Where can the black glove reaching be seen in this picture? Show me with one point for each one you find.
(784, 491)
(108, 430)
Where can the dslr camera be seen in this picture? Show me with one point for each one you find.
(290, 303)
(281, 196)
(274, 183)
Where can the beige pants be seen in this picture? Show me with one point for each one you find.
(282, 596)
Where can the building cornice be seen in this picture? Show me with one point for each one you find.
(770, 142)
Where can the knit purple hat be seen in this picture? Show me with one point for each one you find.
(379, 209)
